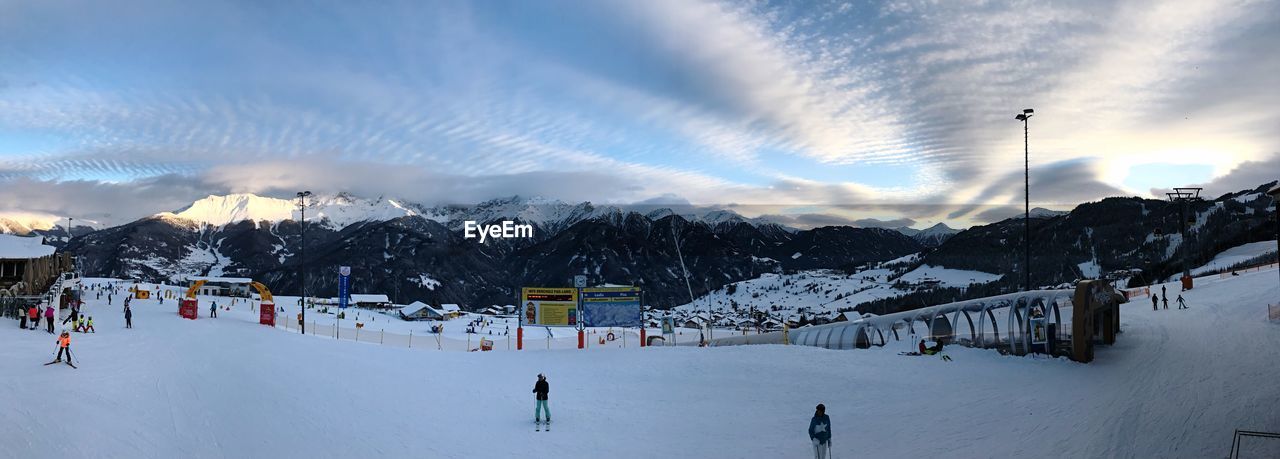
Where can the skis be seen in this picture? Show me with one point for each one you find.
(59, 361)
(541, 425)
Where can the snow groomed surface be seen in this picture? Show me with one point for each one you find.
(1176, 384)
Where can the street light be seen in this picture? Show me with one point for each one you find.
(1182, 196)
(302, 255)
(1024, 117)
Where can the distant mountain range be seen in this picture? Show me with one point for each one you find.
(416, 252)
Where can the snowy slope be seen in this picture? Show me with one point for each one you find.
(1174, 386)
(1236, 255)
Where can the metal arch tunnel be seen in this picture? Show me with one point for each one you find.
(964, 322)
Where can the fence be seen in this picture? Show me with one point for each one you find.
(1132, 293)
(1230, 272)
(595, 339)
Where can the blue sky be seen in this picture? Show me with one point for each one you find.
(897, 111)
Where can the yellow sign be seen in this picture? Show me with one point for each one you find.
(549, 306)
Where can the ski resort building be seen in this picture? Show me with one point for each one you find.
(371, 301)
(222, 286)
(28, 267)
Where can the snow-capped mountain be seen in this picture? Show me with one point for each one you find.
(932, 236)
(334, 211)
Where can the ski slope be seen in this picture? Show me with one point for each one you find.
(1176, 385)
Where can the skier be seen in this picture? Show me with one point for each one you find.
(108, 299)
(48, 318)
(34, 315)
(74, 317)
(88, 326)
(820, 433)
(1155, 302)
(64, 345)
(213, 310)
(1182, 304)
(1165, 300)
(22, 318)
(80, 325)
(1164, 292)
(541, 388)
(128, 318)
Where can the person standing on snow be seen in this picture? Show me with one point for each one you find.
(48, 318)
(1165, 300)
(33, 315)
(64, 345)
(1155, 302)
(213, 310)
(820, 432)
(128, 318)
(541, 388)
(88, 326)
(1182, 304)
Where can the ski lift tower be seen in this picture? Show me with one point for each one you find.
(1182, 196)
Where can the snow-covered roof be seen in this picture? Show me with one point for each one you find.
(369, 298)
(415, 307)
(450, 308)
(226, 280)
(23, 247)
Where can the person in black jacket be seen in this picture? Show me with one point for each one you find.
(541, 388)
(820, 432)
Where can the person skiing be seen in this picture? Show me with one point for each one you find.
(108, 299)
(820, 432)
(1165, 300)
(1182, 304)
(48, 318)
(1155, 302)
(74, 317)
(1164, 291)
(33, 315)
(22, 318)
(80, 325)
(213, 310)
(541, 388)
(64, 345)
(128, 318)
(88, 326)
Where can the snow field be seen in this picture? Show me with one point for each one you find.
(1176, 385)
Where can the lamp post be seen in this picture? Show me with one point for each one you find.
(69, 229)
(1182, 196)
(1024, 117)
(302, 255)
(1275, 196)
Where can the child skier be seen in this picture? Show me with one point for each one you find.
(541, 388)
(1182, 304)
(33, 315)
(88, 326)
(213, 310)
(820, 432)
(64, 345)
(128, 318)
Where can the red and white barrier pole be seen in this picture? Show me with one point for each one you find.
(519, 338)
(642, 342)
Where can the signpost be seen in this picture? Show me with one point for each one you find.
(344, 280)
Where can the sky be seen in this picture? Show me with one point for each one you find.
(814, 112)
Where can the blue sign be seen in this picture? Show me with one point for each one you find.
(611, 307)
(344, 279)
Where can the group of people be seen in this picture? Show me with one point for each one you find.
(32, 317)
(1164, 295)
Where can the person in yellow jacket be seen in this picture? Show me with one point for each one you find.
(88, 326)
(80, 325)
